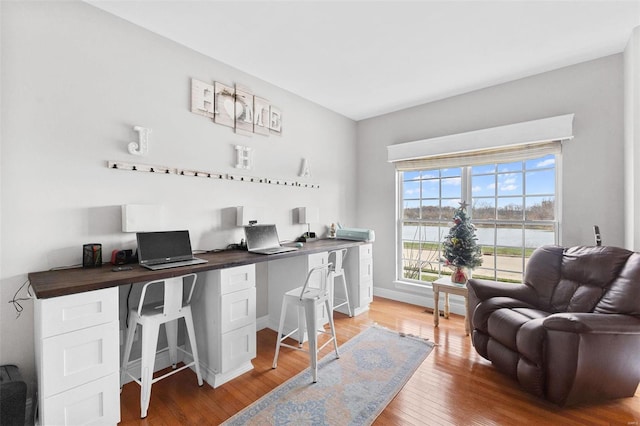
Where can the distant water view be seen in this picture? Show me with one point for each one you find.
(505, 237)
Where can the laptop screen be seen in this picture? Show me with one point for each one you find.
(261, 237)
(167, 246)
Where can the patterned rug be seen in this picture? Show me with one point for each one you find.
(352, 390)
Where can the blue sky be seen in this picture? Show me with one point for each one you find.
(538, 177)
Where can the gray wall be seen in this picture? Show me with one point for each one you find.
(592, 163)
(632, 140)
(75, 80)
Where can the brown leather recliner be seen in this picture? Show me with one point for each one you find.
(571, 332)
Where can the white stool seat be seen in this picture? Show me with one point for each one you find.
(336, 258)
(307, 299)
(150, 316)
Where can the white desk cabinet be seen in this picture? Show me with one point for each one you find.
(77, 358)
(359, 272)
(224, 311)
(287, 274)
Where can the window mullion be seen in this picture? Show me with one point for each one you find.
(466, 195)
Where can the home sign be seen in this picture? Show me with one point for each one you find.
(235, 107)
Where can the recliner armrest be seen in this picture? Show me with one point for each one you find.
(591, 357)
(486, 289)
(593, 323)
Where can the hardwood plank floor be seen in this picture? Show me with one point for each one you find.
(453, 386)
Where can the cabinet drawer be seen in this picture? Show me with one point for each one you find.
(366, 251)
(239, 278)
(94, 403)
(365, 293)
(72, 359)
(77, 311)
(237, 309)
(366, 270)
(238, 346)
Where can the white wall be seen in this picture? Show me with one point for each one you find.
(75, 80)
(632, 140)
(592, 163)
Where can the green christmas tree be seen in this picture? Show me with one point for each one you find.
(460, 247)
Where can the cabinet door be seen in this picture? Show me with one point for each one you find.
(366, 293)
(237, 309)
(365, 290)
(315, 259)
(238, 346)
(94, 403)
(366, 250)
(366, 269)
(72, 359)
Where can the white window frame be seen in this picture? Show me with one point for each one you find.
(466, 195)
(522, 140)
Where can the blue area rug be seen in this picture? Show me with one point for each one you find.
(351, 390)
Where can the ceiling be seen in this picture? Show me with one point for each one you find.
(366, 58)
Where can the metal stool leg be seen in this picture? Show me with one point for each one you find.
(149, 342)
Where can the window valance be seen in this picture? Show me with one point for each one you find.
(497, 144)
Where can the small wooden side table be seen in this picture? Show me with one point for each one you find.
(445, 285)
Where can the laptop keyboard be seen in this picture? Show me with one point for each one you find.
(175, 264)
(275, 250)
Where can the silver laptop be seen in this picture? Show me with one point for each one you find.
(163, 250)
(263, 239)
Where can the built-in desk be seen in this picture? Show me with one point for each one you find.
(77, 321)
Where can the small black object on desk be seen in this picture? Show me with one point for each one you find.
(307, 237)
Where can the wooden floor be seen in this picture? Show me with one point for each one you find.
(453, 386)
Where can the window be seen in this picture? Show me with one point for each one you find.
(512, 204)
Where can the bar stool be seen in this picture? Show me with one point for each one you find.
(308, 298)
(150, 317)
(338, 271)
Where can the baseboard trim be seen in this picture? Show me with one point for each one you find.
(262, 323)
(420, 296)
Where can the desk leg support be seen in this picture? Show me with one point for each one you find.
(436, 309)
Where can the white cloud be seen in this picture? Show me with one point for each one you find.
(476, 189)
(451, 181)
(546, 163)
(508, 182)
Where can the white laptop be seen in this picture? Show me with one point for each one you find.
(263, 239)
(167, 249)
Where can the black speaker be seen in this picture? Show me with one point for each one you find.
(92, 255)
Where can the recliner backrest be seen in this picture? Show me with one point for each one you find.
(623, 295)
(576, 279)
